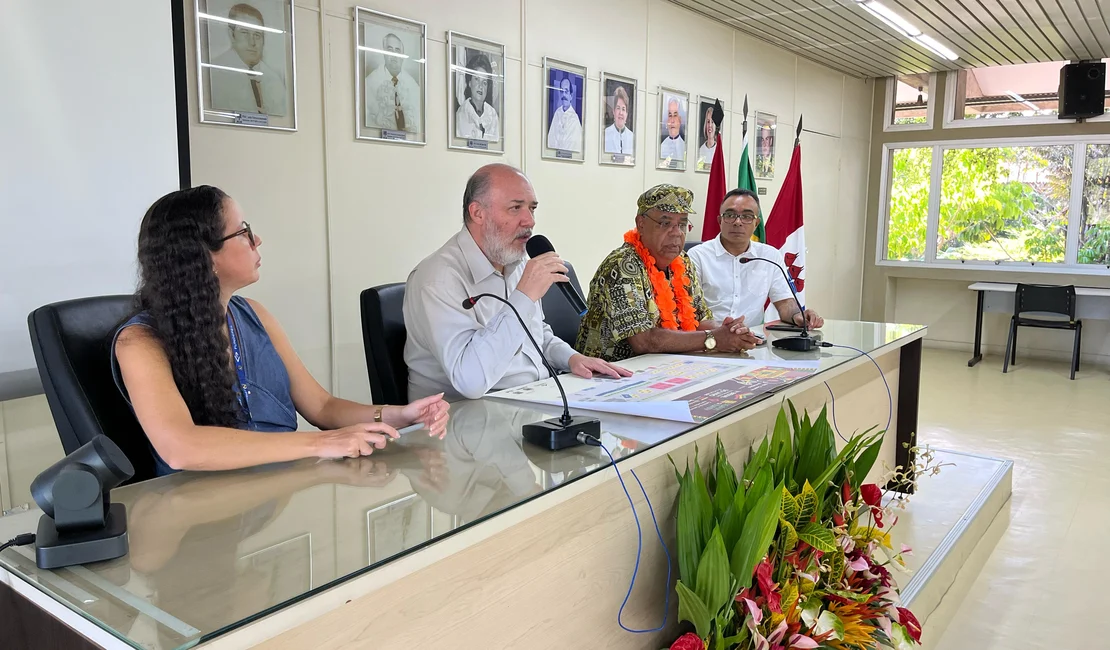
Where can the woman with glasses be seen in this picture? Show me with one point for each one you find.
(735, 288)
(212, 375)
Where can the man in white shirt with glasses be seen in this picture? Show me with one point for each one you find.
(739, 290)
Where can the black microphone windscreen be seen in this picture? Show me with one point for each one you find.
(468, 302)
(538, 245)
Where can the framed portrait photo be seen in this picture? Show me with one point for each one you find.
(475, 94)
(246, 63)
(618, 106)
(766, 130)
(674, 107)
(390, 78)
(708, 135)
(564, 111)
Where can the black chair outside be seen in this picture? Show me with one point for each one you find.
(690, 244)
(558, 313)
(1046, 307)
(383, 339)
(72, 344)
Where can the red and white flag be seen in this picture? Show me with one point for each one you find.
(785, 226)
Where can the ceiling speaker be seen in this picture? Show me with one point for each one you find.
(1082, 90)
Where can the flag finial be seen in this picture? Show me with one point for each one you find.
(718, 115)
(798, 135)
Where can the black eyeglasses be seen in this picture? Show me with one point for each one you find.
(729, 216)
(667, 224)
(246, 230)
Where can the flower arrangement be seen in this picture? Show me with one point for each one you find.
(796, 551)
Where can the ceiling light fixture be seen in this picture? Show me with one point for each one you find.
(891, 18)
(936, 47)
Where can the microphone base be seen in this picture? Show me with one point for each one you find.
(797, 344)
(554, 435)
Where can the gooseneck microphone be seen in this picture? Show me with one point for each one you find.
(556, 433)
(802, 342)
(539, 245)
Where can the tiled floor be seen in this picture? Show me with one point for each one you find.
(1046, 583)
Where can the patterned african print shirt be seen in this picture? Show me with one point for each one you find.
(622, 305)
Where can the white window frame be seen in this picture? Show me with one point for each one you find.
(1075, 206)
(888, 110)
(950, 121)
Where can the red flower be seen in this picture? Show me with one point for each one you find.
(846, 491)
(909, 621)
(871, 494)
(763, 577)
(688, 641)
(837, 519)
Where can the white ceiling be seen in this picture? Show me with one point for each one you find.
(841, 35)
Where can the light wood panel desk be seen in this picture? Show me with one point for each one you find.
(476, 541)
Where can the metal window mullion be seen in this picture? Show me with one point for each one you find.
(932, 223)
(1075, 205)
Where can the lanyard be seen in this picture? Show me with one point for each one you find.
(240, 369)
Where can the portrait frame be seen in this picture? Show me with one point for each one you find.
(672, 162)
(397, 516)
(609, 83)
(766, 127)
(705, 106)
(554, 71)
(457, 73)
(368, 24)
(291, 578)
(225, 91)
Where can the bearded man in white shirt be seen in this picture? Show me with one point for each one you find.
(392, 95)
(739, 290)
(565, 133)
(464, 353)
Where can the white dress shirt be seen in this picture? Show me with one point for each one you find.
(735, 289)
(468, 124)
(468, 352)
(619, 141)
(705, 155)
(565, 133)
(383, 99)
(673, 148)
(233, 91)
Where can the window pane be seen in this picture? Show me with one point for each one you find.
(1007, 204)
(911, 99)
(1094, 238)
(1007, 91)
(909, 203)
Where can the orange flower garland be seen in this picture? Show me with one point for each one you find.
(669, 301)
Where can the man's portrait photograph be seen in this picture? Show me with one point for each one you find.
(766, 128)
(247, 62)
(673, 107)
(618, 142)
(392, 77)
(564, 111)
(476, 86)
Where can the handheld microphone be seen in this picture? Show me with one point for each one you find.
(802, 342)
(556, 433)
(539, 245)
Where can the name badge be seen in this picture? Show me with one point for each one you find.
(388, 134)
(253, 119)
(477, 144)
(559, 153)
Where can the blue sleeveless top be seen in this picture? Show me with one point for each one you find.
(271, 405)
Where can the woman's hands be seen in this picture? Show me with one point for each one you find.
(431, 412)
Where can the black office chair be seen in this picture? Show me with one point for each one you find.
(1031, 303)
(72, 344)
(383, 339)
(690, 244)
(558, 313)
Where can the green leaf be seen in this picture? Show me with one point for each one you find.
(781, 449)
(828, 621)
(901, 637)
(811, 611)
(757, 461)
(789, 507)
(818, 537)
(689, 536)
(789, 536)
(725, 482)
(807, 504)
(865, 462)
(714, 577)
(702, 501)
(837, 564)
(692, 609)
(733, 521)
(759, 530)
(738, 639)
(760, 487)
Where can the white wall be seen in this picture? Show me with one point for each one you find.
(339, 215)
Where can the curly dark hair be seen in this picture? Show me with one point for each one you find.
(179, 289)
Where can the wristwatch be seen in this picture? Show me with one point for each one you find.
(710, 341)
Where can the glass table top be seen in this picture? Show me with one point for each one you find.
(210, 552)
